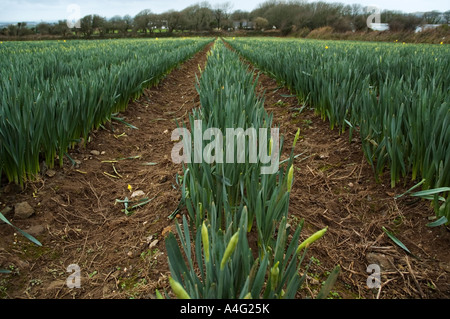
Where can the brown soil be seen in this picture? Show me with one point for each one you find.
(78, 220)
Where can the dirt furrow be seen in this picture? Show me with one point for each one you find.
(78, 219)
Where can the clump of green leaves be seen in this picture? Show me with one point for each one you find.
(223, 200)
(222, 264)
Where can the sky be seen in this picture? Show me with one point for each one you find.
(51, 10)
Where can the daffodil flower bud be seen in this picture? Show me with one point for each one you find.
(229, 250)
(205, 241)
(158, 294)
(290, 178)
(312, 239)
(178, 289)
(270, 146)
(296, 137)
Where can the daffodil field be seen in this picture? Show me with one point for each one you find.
(52, 93)
(395, 95)
(227, 201)
(235, 239)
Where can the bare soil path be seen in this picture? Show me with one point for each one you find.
(78, 220)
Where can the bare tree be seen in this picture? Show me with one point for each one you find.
(13, 30)
(61, 28)
(222, 12)
(113, 24)
(98, 24)
(127, 23)
(43, 28)
(142, 20)
(173, 19)
(86, 25)
(446, 16)
(262, 8)
(120, 24)
(240, 15)
(198, 16)
(23, 29)
(403, 22)
(432, 17)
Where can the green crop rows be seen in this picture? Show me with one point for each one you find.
(227, 201)
(54, 93)
(396, 96)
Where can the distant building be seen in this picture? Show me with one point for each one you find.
(242, 24)
(424, 27)
(420, 28)
(379, 26)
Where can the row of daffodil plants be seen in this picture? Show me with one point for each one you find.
(227, 200)
(52, 93)
(395, 95)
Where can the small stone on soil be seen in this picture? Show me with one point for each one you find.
(23, 210)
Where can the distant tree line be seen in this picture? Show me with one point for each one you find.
(285, 16)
